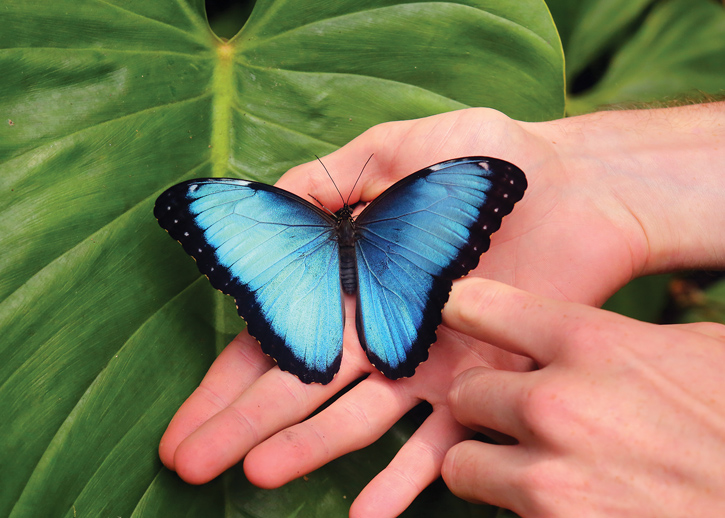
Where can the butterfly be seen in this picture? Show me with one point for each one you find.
(287, 261)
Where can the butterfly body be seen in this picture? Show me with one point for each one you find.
(287, 262)
(346, 240)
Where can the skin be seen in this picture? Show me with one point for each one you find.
(611, 196)
(623, 418)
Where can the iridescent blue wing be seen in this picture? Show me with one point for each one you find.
(413, 241)
(277, 255)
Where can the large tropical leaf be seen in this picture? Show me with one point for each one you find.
(678, 52)
(641, 51)
(589, 28)
(105, 324)
(644, 298)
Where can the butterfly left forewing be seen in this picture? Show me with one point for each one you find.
(413, 241)
(275, 254)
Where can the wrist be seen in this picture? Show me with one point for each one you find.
(658, 174)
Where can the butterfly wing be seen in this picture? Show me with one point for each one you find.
(275, 253)
(413, 241)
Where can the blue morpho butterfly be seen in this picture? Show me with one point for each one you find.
(287, 261)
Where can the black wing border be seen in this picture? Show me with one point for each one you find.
(172, 212)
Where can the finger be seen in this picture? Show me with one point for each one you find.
(354, 421)
(486, 473)
(275, 401)
(240, 364)
(344, 166)
(415, 467)
(517, 321)
(398, 149)
(482, 399)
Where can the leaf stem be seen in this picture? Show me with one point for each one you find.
(222, 91)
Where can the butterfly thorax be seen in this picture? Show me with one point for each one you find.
(345, 226)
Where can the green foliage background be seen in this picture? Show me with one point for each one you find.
(107, 327)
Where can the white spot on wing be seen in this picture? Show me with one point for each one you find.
(233, 181)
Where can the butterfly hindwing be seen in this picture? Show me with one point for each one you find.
(413, 241)
(276, 255)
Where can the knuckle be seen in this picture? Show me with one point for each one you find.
(321, 439)
(211, 396)
(540, 483)
(713, 329)
(379, 133)
(407, 478)
(359, 417)
(584, 338)
(544, 407)
(470, 385)
(296, 391)
(244, 422)
(535, 478)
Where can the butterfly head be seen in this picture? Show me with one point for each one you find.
(345, 213)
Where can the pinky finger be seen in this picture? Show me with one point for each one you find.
(417, 465)
(486, 473)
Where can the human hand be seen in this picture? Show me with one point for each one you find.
(622, 418)
(569, 238)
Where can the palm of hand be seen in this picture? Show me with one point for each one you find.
(560, 241)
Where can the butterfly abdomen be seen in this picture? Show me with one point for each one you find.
(346, 241)
(348, 270)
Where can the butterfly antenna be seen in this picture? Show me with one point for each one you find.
(358, 179)
(333, 181)
(320, 204)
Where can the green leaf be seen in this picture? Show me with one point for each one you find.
(644, 298)
(679, 51)
(106, 324)
(589, 28)
(707, 305)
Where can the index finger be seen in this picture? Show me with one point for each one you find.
(399, 148)
(515, 320)
(344, 166)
